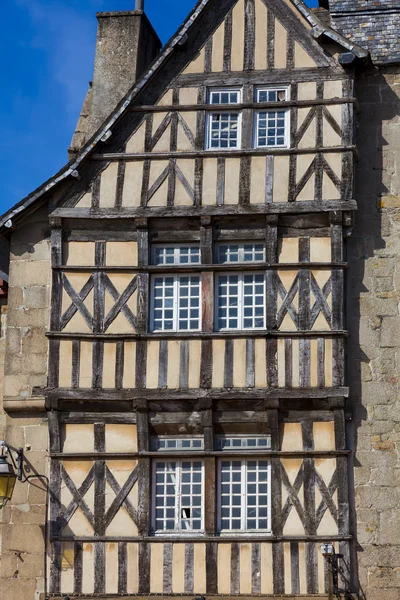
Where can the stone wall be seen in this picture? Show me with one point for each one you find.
(23, 551)
(374, 344)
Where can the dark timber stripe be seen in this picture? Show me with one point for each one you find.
(99, 567)
(228, 366)
(288, 363)
(198, 181)
(55, 567)
(206, 364)
(184, 365)
(119, 364)
(208, 55)
(211, 568)
(120, 183)
(304, 362)
(250, 360)
(99, 510)
(294, 565)
(76, 362)
(228, 42)
(338, 361)
(220, 181)
(321, 362)
(245, 176)
(171, 182)
(189, 568)
(289, 52)
(293, 144)
(235, 568)
(269, 180)
(278, 568)
(96, 192)
(270, 40)
(249, 35)
(272, 363)
(167, 573)
(141, 364)
(255, 568)
(163, 364)
(311, 568)
(319, 158)
(122, 567)
(144, 568)
(78, 567)
(97, 366)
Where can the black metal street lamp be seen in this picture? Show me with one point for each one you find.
(8, 477)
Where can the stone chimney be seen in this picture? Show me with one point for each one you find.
(373, 25)
(126, 45)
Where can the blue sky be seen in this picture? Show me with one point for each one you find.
(47, 51)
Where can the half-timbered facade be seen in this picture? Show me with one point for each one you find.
(195, 390)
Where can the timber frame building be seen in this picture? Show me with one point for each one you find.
(176, 340)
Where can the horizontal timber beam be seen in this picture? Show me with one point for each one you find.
(198, 268)
(109, 156)
(134, 455)
(228, 210)
(185, 539)
(281, 76)
(255, 105)
(191, 335)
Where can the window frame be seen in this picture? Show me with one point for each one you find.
(177, 248)
(240, 275)
(257, 112)
(243, 505)
(178, 497)
(214, 110)
(241, 252)
(175, 317)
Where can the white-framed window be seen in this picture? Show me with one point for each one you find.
(224, 126)
(175, 303)
(244, 495)
(240, 301)
(240, 252)
(171, 254)
(166, 443)
(239, 442)
(271, 127)
(178, 496)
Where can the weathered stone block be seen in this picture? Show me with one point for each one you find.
(37, 437)
(27, 273)
(18, 589)
(36, 297)
(23, 538)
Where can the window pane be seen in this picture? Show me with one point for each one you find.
(175, 255)
(163, 303)
(228, 301)
(165, 495)
(256, 498)
(224, 96)
(254, 301)
(271, 128)
(189, 303)
(233, 253)
(223, 130)
(231, 494)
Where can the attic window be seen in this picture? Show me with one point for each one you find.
(272, 126)
(223, 127)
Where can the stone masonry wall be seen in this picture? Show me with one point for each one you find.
(374, 344)
(23, 519)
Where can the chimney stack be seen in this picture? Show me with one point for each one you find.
(126, 44)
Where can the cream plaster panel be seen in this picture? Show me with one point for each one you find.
(133, 569)
(333, 89)
(224, 568)
(78, 438)
(328, 362)
(135, 144)
(326, 467)
(188, 95)
(307, 91)
(330, 137)
(132, 190)
(77, 323)
(237, 36)
(178, 568)
(261, 41)
(239, 363)
(321, 324)
(245, 569)
(122, 524)
(112, 568)
(88, 569)
(209, 181)
(281, 179)
(217, 63)
(161, 195)
(65, 373)
(292, 439)
(287, 563)
(194, 363)
(309, 139)
(232, 173)
(156, 568)
(153, 351)
(173, 364)
(129, 378)
(329, 189)
(293, 525)
(218, 363)
(164, 143)
(78, 254)
(196, 65)
(314, 363)
(267, 586)
(295, 363)
(121, 438)
(108, 186)
(78, 525)
(321, 572)
(85, 376)
(85, 201)
(303, 162)
(289, 250)
(182, 197)
(121, 254)
(280, 45)
(67, 567)
(260, 369)
(320, 249)
(166, 99)
(324, 435)
(109, 363)
(334, 159)
(258, 175)
(183, 142)
(199, 560)
(302, 59)
(302, 568)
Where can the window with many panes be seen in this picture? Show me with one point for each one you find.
(175, 299)
(223, 126)
(240, 298)
(178, 488)
(244, 492)
(271, 126)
